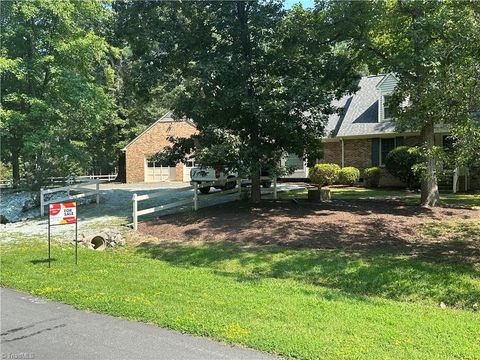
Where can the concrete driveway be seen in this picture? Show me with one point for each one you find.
(115, 208)
(33, 328)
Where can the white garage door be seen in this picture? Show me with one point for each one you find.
(155, 172)
(186, 169)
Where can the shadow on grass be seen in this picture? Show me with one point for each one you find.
(388, 275)
(41, 261)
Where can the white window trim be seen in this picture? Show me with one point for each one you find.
(383, 107)
(380, 159)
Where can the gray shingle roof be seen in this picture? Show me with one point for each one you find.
(360, 115)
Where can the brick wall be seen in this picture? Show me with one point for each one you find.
(332, 153)
(151, 142)
(412, 140)
(358, 153)
(474, 179)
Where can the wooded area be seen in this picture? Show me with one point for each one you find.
(80, 79)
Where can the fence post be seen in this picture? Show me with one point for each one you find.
(195, 196)
(455, 180)
(275, 188)
(97, 190)
(42, 205)
(239, 184)
(135, 210)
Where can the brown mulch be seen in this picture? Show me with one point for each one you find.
(341, 224)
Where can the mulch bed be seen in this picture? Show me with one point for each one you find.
(354, 225)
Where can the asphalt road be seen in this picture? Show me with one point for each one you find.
(34, 328)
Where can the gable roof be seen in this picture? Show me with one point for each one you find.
(168, 117)
(388, 83)
(360, 114)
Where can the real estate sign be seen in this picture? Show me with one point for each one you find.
(63, 213)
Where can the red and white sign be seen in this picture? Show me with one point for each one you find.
(63, 213)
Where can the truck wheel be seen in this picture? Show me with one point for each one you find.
(229, 185)
(267, 184)
(205, 190)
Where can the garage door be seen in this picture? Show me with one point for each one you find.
(186, 169)
(155, 172)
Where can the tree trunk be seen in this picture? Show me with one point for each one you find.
(15, 168)
(256, 185)
(429, 188)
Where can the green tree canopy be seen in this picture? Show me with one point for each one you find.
(433, 47)
(58, 85)
(246, 69)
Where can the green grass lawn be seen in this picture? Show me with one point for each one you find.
(308, 304)
(472, 200)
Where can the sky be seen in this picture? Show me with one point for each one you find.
(305, 3)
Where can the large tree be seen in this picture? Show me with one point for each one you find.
(58, 87)
(433, 47)
(241, 69)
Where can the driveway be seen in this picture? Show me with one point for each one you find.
(33, 328)
(115, 208)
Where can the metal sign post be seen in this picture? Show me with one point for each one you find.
(49, 241)
(62, 214)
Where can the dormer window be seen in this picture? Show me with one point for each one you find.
(387, 115)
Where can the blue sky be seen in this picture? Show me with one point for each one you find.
(305, 3)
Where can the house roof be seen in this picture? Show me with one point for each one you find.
(168, 117)
(360, 114)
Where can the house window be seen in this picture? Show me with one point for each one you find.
(448, 143)
(294, 162)
(190, 163)
(386, 145)
(386, 107)
(157, 164)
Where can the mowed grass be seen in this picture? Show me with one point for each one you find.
(307, 304)
(460, 199)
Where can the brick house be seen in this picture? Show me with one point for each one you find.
(362, 133)
(155, 138)
(151, 141)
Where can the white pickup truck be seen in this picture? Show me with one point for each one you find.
(223, 181)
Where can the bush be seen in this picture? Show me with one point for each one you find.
(400, 162)
(372, 176)
(348, 175)
(324, 174)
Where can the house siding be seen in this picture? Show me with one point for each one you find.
(151, 142)
(388, 84)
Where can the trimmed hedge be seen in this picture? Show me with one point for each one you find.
(324, 174)
(348, 175)
(372, 176)
(400, 162)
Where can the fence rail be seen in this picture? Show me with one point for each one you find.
(54, 180)
(195, 201)
(86, 192)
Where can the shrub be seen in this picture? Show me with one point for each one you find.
(372, 176)
(348, 175)
(324, 174)
(401, 161)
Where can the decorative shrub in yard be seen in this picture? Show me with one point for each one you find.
(372, 176)
(348, 175)
(321, 175)
(324, 174)
(400, 163)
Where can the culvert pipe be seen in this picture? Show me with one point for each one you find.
(99, 243)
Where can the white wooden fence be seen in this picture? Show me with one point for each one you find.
(64, 180)
(86, 192)
(193, 201)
